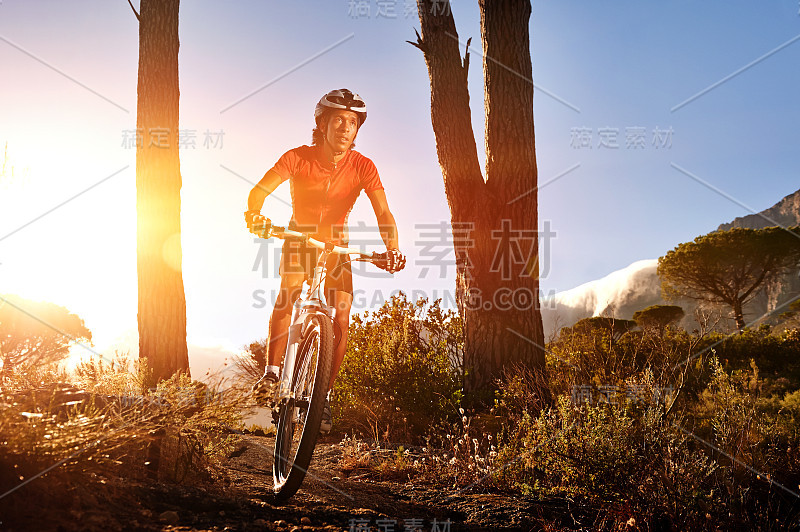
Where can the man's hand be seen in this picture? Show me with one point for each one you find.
(392, 260)
(251, 216)
(257, 223)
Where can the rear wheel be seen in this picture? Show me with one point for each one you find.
(300, 416)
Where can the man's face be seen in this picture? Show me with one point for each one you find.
(340, 129)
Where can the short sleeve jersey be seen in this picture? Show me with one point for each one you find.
(323, 197)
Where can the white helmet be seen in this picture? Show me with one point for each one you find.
(342, 99)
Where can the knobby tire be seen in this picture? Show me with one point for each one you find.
(297, 434)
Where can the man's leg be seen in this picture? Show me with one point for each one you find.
(342, 301)
(291, 284)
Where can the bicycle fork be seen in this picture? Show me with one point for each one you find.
(290, 357)
(295, 336)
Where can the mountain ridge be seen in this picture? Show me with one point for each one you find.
(637, 286)
(785, 213)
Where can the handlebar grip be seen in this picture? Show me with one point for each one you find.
(260, 226)
(392, 260)
(379, 260)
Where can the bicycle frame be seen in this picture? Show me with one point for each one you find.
(313, 302)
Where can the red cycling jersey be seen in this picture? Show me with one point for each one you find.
(322, 197)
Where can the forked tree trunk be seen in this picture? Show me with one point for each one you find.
(494, 219)
(162, 304)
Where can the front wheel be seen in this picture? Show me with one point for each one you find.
(300, 416)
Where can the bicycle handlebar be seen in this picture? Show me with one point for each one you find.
(282, 232)
(266, 230)
(392, 261)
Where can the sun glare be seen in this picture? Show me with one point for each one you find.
(62, 243)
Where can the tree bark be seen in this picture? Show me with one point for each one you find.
(162, 303)
(494, 219)
(738, 314)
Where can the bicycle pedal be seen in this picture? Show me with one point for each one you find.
(265, 391)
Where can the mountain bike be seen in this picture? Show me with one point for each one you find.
(306, 370)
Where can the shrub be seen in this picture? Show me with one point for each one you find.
(251, 363)
(604, 352)
(777, 355)
(402, 374)
(717, 459)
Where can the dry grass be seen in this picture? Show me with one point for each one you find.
(60, 431)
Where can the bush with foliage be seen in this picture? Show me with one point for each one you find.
(776, 355)
(402, 374)
(605, 352)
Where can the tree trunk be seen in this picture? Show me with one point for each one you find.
(738, 314)
(162, 304)
(494, 220)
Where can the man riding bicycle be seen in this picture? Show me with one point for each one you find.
(325, 178)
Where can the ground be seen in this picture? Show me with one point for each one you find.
(330, 499)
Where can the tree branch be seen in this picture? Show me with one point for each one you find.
(134, 11)
(465, 63)
(419, 44)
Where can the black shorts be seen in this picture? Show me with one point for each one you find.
(299, 257)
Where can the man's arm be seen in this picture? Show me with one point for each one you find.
(386, 223)
(263, 188)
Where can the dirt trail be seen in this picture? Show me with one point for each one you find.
(328, 500)
(331, 499)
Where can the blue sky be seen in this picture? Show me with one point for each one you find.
(604, 72)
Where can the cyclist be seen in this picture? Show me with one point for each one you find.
(325, 178)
